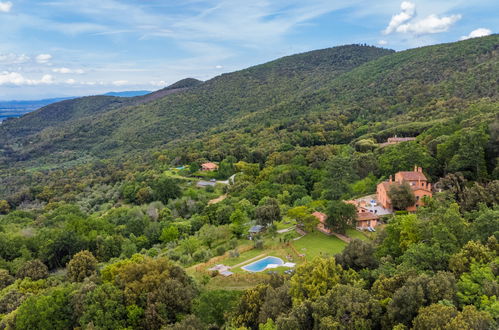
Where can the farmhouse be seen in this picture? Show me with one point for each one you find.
(415, 179)
(209, 167)
(396, 140)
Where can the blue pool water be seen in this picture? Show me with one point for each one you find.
(262, 264)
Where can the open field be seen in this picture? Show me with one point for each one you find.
(316, 243)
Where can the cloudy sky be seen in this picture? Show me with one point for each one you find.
(78, 47)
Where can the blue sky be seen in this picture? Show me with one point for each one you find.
(80, 47)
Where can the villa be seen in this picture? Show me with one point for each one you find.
(415, 179)
(396, 140)
(209, 167)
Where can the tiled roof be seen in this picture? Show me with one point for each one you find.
(401, 139)
(321, 216)
(412, 176)
(209, 165)
(366, 216)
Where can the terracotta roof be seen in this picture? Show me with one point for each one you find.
(366, 216)
(321, 216)
(401, 139)
(209, 165)
(387, 184)
(412, 176)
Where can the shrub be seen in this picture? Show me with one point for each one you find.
(34, 269)
(82, 265)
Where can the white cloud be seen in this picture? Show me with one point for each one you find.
(160, 83)
(429, 25)
(481, 32)
(12, 58)
(408, 12)
(382, 42)
(5, 7)
(67, 70)
(404, 22)
(120, 82)
(219, 67)
(43, 58)
(17, 79)
(70, 81)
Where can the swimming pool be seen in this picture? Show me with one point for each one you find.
(262, 264)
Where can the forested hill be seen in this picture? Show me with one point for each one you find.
(59, 113)
(404, 93)
(111, 127)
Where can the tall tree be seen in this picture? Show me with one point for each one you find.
(340, 216)
(401, 196)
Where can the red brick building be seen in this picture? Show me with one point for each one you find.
(415, 179)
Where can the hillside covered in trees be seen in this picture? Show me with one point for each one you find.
(108, 222)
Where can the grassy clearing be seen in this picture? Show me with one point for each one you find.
(285, 223)
(353, 233)
(316, 243)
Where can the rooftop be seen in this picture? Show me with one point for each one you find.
(412, 175)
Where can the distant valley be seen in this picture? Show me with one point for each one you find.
(15, 109)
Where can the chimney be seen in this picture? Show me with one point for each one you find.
(415, 168)
(420, 169)
(391, 179)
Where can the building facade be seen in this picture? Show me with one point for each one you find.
(415, 179)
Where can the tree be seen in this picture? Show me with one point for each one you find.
(49, 311)
(104, 308)
(247, 311)
(401, 196)
(357, 255)
(4, 207)
(469, 158)
(303, 217)
(169, 234)
(403, 156)
(190, 322)
(471, 319)
(348, 306)
(166, 188)
(5, 278)
(226, 168)
(190, 245)
(34, 269)
(212, 306)
(435, 316)
(277, 302)
(314, 279)
(194, 167)
(157, 286)
(340, 216)
(339, 174)
(237, 219)
(82, 265)
(268, 211)
(144, 195)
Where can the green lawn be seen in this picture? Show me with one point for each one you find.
(243, 256)
(284, 224)
(353, 233)
(316, 244)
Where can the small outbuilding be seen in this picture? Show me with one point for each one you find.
(256, 229)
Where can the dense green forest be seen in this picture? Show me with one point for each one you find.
(104, 223)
